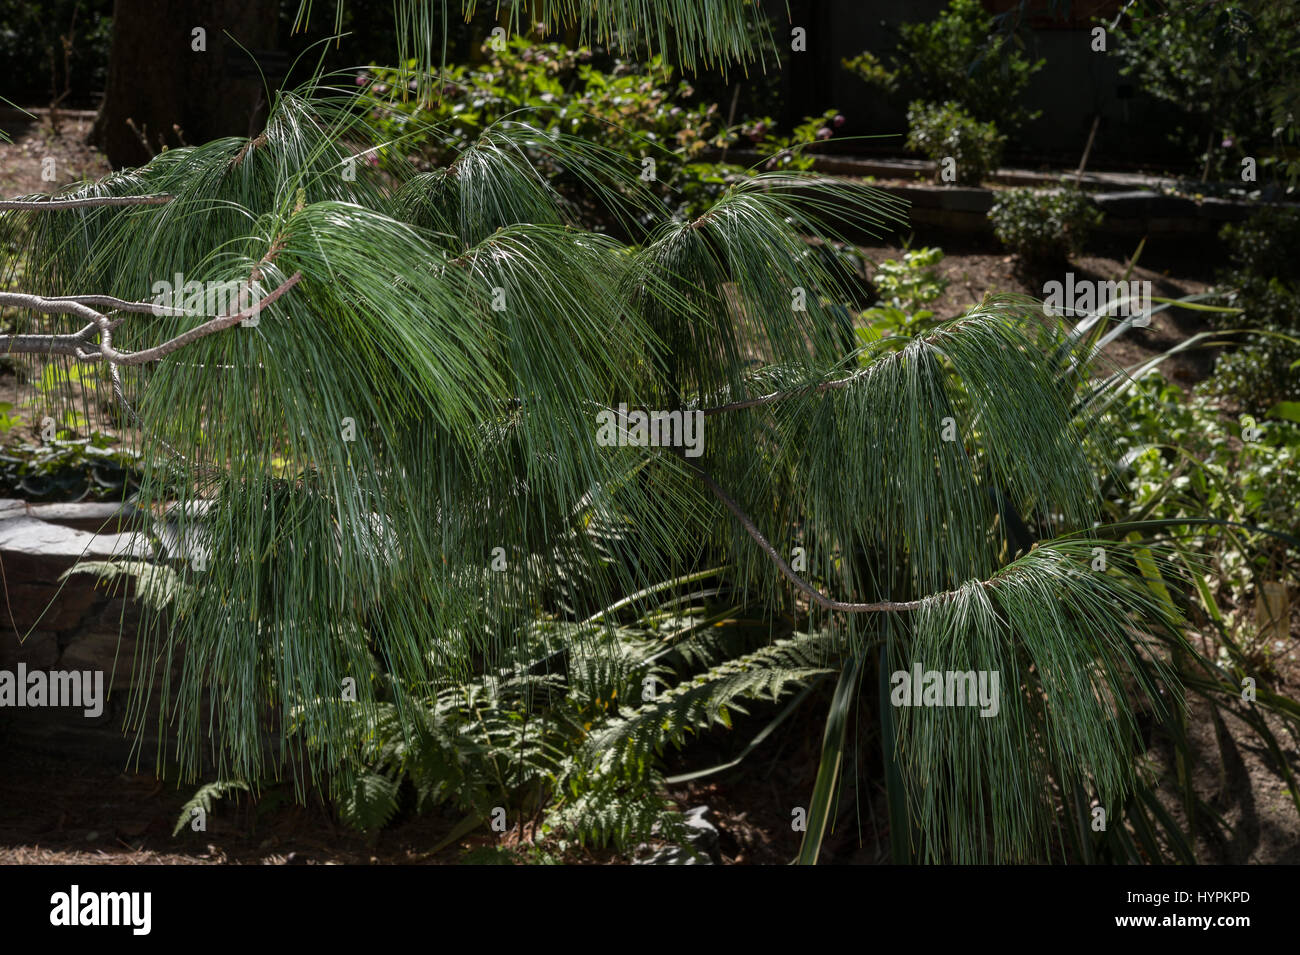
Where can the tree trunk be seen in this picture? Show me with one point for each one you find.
(172, 90)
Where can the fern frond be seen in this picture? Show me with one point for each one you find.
(204, 798)
(370, 802)
(157, 586)
(622, 815)
(629, 745)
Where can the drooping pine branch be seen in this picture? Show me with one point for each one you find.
(813, 594)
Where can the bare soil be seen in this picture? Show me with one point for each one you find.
(972, 268)
(23, 162)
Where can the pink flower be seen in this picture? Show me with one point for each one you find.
(824, 133)
(838, 121)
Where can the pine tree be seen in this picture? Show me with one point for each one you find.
(431, 406)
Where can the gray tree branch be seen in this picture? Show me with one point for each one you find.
(81, 345)
(40, 205)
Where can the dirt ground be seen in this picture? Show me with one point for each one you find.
(59, 808)
(23, 161)
(56, 808)
(971, 269)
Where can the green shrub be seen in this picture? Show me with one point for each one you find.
(67, 468)
(958, 57)
(33, 31)
(944, 130)
(1261, 280)
(1228, 75)
(1259, 374)
(905, 287)
(638, 110)
(1044, 226)
(911, 282)
(1251, 476)
(789, 152)
(1265, 244)
(625, 107)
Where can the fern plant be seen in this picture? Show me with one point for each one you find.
(578, 747)
(203, 799)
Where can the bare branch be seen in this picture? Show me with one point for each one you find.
(50, 305)
(43, 204)
(81, 345)
(119, 304)
(75, 345)
(217, 324)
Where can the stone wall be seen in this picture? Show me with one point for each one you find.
(76, 624)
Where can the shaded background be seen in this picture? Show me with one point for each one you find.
(65, 48)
